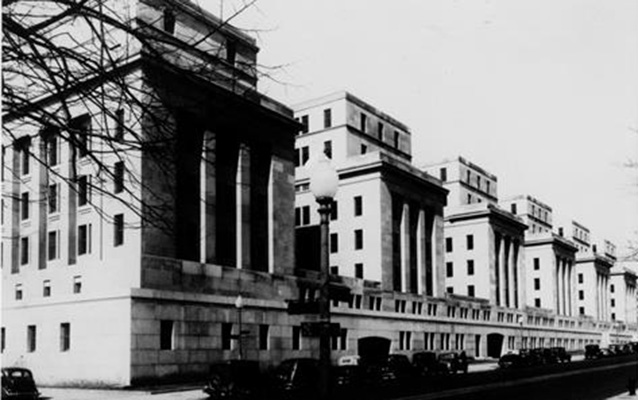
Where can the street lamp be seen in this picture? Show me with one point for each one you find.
(239, 304)
(324, 183)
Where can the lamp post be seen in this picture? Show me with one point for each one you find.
(324, 182)
(239, 305)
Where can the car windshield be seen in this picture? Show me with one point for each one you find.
(18, 373)
(448, 356)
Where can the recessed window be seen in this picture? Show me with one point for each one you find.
(297, 216)
(334, 211)
(334, 270)
(470, 290)
(364, 149)
(327, 148)
(380, 131)
(24, 158)
(305, 215)
(581, 295)
(166, 334)
(84, 239)
(77, 284)
(468, 176)
(51, 143)
(83, 190)
(31, 338)
(227, 330)
(470, 242)
(396, 140)
(231, 52)
(470, 267)
(363, 122)
(358, 239)
(611, 288)
(81, 131)
(537, 302)
(537, 263)
(443, 174)
(54, 198)
(3, 338)
(53, 238)
(448, 245)
(24, 250)
(613, 302)
(305, 124)
(24, 206)
(264, 337)
(327, 118)
(169, 21)
(119, 124)
(449, 289)
(118, 230)
(334, 242)
(537, 284)
(65, 336)
(305, 155)
(358, 206)
(296, 338)
(118, 177)
(581, 310)
(580, 278)
(358, 270)
(449, 268)
(18, 291)
(46, 288)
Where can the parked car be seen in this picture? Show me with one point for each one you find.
(402, 367)
(549, 356)
(347, 381)
(234, 379)
(348, 360)
(512, 360)
(561, 354)
(455, 362)
(18, 383)
(296, 378)
(592, 351)
(427, 363)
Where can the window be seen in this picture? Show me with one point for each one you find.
(380, 131)
(52, 245)
(118, 230)
(53, 198)
(327, 148)
(65, 336)
(297, 157)
(470, 242)
(334, 242)
(334, 211)
(358, 270)
(305, 215)
(83, 190)
(327, 118)
(443, 174)
(448, 245)
(537, 284)
(613, 316)
(396, 139)
(613, 302)
(24, 154)
(296, 338)
(469, 198)
(166, 334)
(24, 250)
(305, 155)
(84, 239)
(358, 206)
(263, 337)
(364, 149)
(31, 338)
(227, 330)
(169, 21)
(478, 181)
(3, 338)
(334, 270)
(611, 288)
(487, 188)
(81, 130)
(470, 290)
(46, 288)
(119, 124)
(51, 143)
(77, 284)
(24, 206)
(449, 268)
(358, 239)
(18, 291)
(297, 216)
(470, 267)
(537, 302)
(580, 278)
(118, 177)
(343, 339)
(362, 122)
(450, 289)
(537, 264)
(581, 310)
(305, 124)
(468, 176)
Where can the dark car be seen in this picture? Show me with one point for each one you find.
(235, 379)
(454, 362)
(402, 367)
(296, 378)
(561, 354)
(427, 363)
(512, 360)
(592, 351)
(549, 356)
(347, 381)
(18, 383)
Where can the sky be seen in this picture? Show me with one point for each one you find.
(543, 93)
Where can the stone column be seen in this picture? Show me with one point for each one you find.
(242, 214)
(563, 289)
(405, 248)
(420, 252)
(497, 267)
(515, 276)
(506, 272)
(208, 188)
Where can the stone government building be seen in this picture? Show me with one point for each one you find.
(96, 294)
